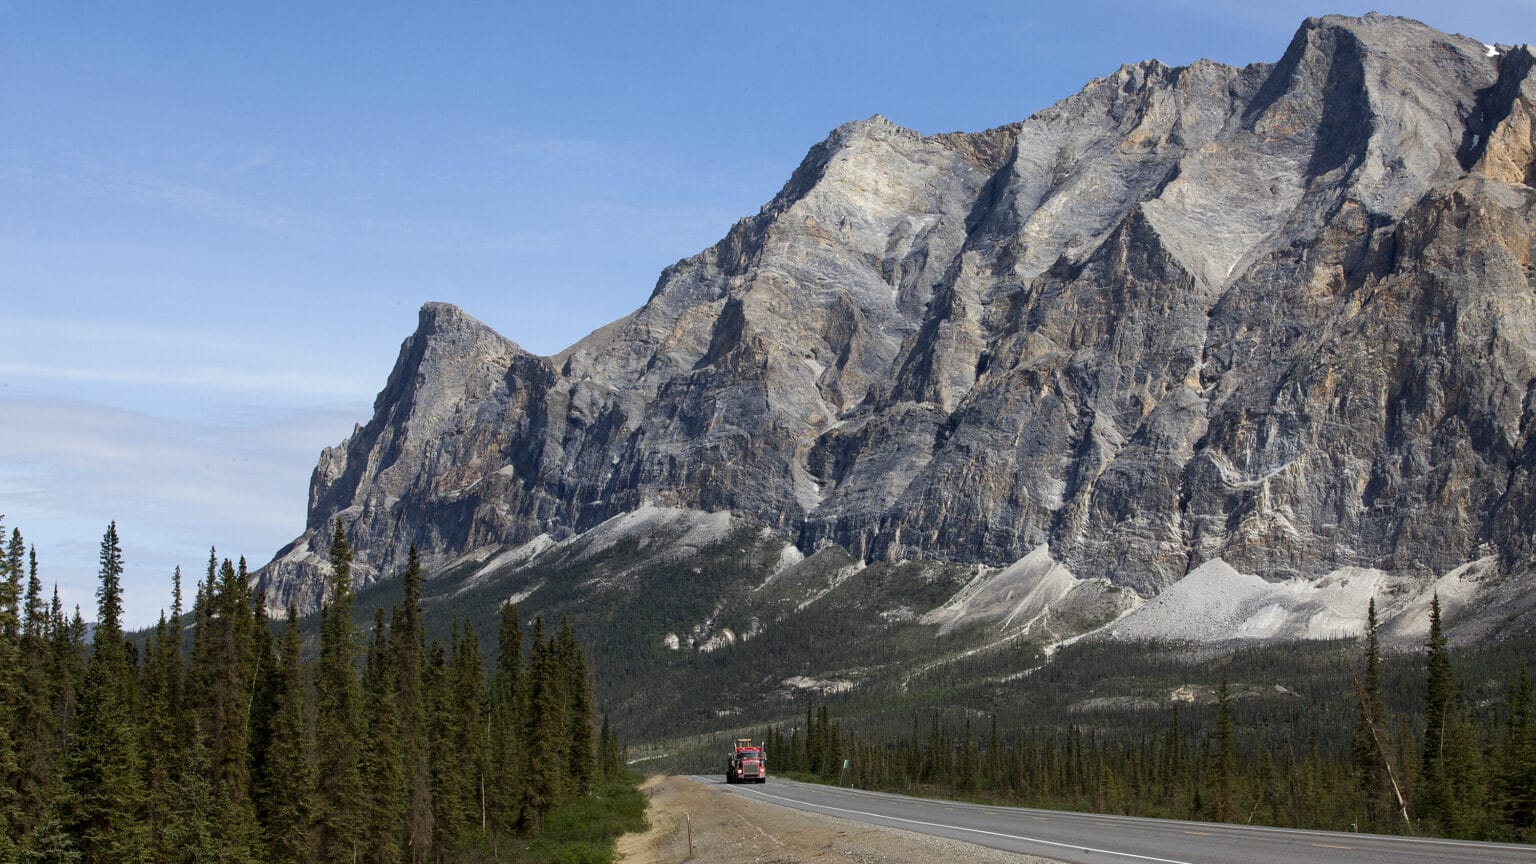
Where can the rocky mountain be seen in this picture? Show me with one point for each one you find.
(1271, 328)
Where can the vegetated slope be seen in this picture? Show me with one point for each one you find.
(701, 622)
(1263, 326)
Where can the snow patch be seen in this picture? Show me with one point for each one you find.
(1493, 51)
(671, 641)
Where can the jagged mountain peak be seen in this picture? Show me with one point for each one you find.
(1187, 314)
(437, 317)
(873, 126)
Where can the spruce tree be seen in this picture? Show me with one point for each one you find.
(1467, 813)
(11, 826)
(15, 567)
(609, 766)
(936, 755)
(1518, 775)
(968, 761)
(582, 764)
(383, 759)
(109, 600)
(36, 612)
(914, 754)
(287, 797)
(437, 690)
(49, 842)
(338, 717)
(548, 742)
(266, 677)
(1226, 755)
(202, 665)
(231, 683)
(195, 831)
(824, 742)
(409, 640)
(469, 697)
(1436, 797)
(163, 754)
(66, 670)
(35, 738)
(835, 748)
(104, 769)
(1368, 747)
(994, 772)
(507, 712)
(813, 741)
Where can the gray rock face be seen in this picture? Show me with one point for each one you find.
(1280, 315)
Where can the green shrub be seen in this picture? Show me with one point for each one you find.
(583, 831)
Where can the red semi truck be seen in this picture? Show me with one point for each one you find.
(746, 763)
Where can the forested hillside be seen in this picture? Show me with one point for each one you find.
(1428, 761)
(214, 739)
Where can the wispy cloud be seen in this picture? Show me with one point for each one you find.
(213, 378)
(207, 202)
(261, 157)
(107, 454)
(49, 352)
(174, 487)
(563, 150)
(201, 200)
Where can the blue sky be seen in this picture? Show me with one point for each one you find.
(217, 221)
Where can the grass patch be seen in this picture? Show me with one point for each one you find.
(583, 831)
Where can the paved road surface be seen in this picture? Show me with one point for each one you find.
(1083, 838)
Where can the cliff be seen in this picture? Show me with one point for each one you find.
(1281, 316)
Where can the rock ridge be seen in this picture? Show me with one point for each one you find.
(1280, 315)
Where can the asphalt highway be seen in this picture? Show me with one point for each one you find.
(1085, 838)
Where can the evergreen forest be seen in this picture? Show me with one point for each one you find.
(1444, 769)
(222, 736)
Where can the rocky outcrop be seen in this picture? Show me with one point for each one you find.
(1279, 315)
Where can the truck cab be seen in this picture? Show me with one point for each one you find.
(746, 763)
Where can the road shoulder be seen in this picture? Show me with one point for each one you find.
(736, 829)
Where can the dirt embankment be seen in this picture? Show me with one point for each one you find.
(734, 829)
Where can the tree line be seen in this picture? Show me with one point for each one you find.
(226, 744)
(1447, 771)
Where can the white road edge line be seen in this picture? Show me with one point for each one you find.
(1293, 833)
(970, 830)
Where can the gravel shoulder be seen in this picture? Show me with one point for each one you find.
(733, 829)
